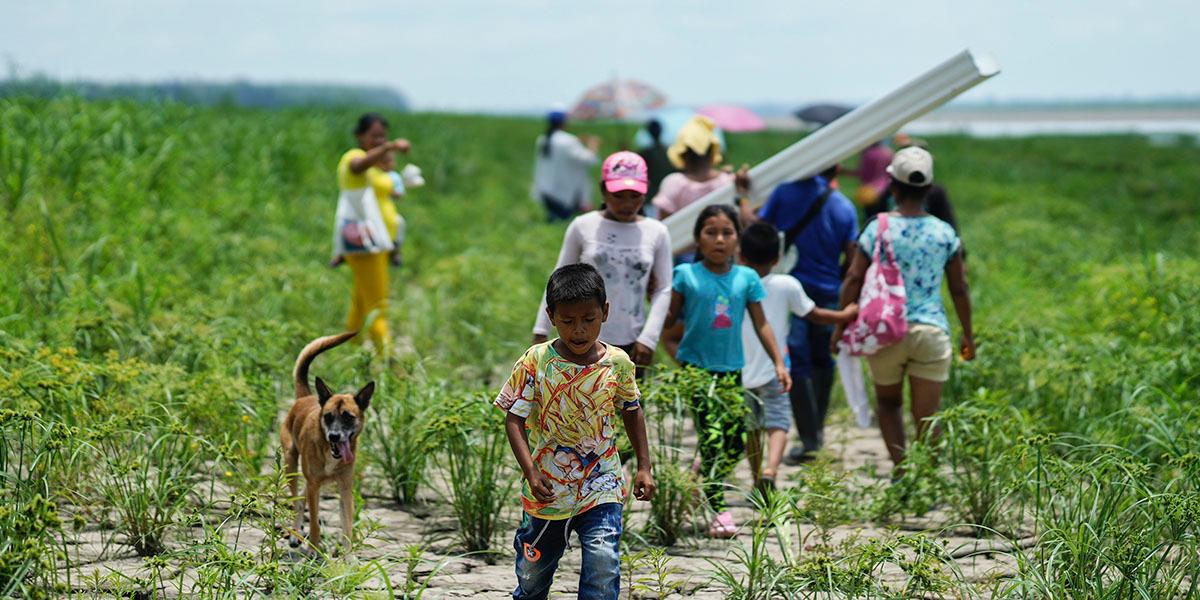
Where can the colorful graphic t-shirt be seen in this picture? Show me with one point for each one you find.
(923, 246)
(713, 308)
(569, 410)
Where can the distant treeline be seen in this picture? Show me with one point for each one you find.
(236, 93)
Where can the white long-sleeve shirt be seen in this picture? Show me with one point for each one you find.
(564, 174)
(625, 254)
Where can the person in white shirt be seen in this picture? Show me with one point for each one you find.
(560, 170)
(629, 250)
(769, 405)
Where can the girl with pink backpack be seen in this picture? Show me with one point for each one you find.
(896, 279)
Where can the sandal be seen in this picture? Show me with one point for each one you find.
(723, 526)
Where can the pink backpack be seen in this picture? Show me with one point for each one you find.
(882, 306)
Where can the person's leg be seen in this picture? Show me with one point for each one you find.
(889, 408)
(707, 446)
(803, 395)
(777, 419)
(359, 267)
(926, 398)
(776, 442)
(375, 297)
(928, 369)
(599, 532)
(888, 366)
(821, 369)
(535, 576)
(754, 439)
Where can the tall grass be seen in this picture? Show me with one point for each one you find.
(164, 264)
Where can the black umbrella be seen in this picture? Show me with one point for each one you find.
(822, 114)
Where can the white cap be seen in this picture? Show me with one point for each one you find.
(912, 165)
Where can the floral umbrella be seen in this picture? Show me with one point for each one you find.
(617, 99)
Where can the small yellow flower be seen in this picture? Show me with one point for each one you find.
(229, 473)
(245, 418)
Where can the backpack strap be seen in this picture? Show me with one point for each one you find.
(792, 233)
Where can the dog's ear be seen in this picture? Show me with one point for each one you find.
(363, 397)
(323, 393)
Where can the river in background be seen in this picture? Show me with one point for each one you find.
(1165, 125)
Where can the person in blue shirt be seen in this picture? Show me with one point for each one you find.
(822, 244)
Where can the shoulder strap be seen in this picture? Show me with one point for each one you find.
(790, 237)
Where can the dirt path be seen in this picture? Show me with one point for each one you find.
(454, 575)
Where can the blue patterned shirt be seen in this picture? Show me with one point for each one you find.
(923, 246)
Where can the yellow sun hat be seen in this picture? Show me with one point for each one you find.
(696, 135)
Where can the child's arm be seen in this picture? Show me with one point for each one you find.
(635, 427)
(359, 165)
(675, 310)
(767, 337)
(514, 427)
(960, 293)
(826, 316)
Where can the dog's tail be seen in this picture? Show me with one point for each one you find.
(310, 352)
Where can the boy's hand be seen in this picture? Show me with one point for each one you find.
(539, 486)
(785, 378)
(851, 312)
(400, 145)
(641, 354)
(643, 484)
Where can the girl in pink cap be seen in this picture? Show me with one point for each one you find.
(630, 251)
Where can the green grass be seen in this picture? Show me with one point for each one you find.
(164, 264)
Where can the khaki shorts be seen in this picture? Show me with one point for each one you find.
(923, 353)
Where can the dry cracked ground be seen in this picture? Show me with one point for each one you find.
(448, 573)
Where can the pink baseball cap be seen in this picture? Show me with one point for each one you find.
(625, 171)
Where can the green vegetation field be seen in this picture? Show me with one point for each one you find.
(164, 264)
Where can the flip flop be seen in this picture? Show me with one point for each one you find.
(723, 526)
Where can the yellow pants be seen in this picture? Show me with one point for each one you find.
(370, 294)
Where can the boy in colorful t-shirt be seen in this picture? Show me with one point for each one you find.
(560, 400)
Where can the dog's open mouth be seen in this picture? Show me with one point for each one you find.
(342, 451)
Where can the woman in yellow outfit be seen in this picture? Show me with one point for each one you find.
(356, 170)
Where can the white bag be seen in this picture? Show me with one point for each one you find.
(358, 226)
(851, 373)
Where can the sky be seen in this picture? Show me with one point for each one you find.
(529, 54)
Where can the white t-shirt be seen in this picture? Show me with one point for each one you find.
(564, 174)
(785, 297)
(626, 254)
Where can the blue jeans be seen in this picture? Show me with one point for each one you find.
(599, 531)
(812, 372)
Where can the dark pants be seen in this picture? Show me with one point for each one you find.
(721, 440)
(812, 372)
(599, 531)
(556, 211)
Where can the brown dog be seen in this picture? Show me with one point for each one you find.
(321, 433)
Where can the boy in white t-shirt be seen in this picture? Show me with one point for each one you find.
(769, 406)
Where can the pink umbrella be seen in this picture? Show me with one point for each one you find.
(733, 118)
